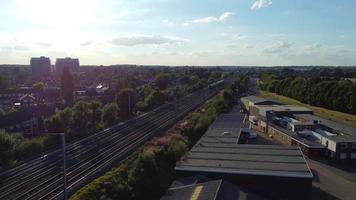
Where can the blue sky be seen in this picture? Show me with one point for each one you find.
(180, 32)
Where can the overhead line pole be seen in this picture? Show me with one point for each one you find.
(64, 167)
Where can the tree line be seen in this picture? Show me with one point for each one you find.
(332, 93)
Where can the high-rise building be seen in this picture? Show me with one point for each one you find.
(41, 66)
(71, 63)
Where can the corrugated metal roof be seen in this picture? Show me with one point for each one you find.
(269, 160)
(218, 153)
(201, 191)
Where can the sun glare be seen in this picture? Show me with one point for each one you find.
(58, 13)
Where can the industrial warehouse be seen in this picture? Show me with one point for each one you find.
(258, 170)
(295, 125)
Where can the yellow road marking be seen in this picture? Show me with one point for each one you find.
(196, 193)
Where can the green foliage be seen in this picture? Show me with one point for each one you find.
(155, 99)
(110, 114)
(95, 114)
(143, 176)
(67, 86)
(328, 93)
(126, 100)
(83, 118)
(199, 122)
(7, 144)
(29, 147)
(162, 81)
(4, 83)
(14, 148)
(129, 81)
(177, 149)
(241, 84)
(60, 122)
(2, 112)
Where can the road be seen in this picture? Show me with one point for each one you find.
(88, 158)
(328, 183)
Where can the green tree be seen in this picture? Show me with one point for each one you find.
(126, 100)
(7, 144)
(155, 99)
(162, 81)
(95, 114)
(60, 122)
(4, 83)
(144, 177)
(110, 114)
(2, 112)
(67, 86)
(29, 147)
(81, 117)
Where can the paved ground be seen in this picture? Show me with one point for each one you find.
(329, 182)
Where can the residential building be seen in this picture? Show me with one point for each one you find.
(71, 63)
(40, 66)
(8, 98)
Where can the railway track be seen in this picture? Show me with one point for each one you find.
(41, 178)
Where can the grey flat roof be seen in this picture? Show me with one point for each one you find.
(219, 153)
(234, 120)
(266, 160)
(203, 191)
(262, 109)
(348, 131)
(210, 190)
(230, 124)
(254, 99)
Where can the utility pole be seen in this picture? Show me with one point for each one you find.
(64, 167)
(175, 109)
(64, 171)
(129, 102)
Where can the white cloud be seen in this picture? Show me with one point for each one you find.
(206, 20)
(44, 44)
(86, 43)
(278, 47)
(258, 4)
(225, 16)
(145, 40)
(15, 48)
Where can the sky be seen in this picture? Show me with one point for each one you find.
(180, 32)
